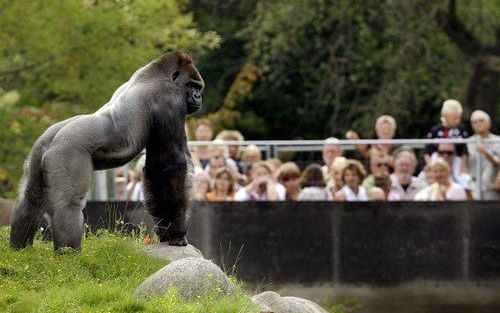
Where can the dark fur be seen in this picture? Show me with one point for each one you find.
(149, 111)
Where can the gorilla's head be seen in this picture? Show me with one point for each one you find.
(179, 68)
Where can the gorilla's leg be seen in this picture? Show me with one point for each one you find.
(32, 199)
(69, 175)
(31, 203)
(167, 195)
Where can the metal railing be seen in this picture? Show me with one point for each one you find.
(273, 148)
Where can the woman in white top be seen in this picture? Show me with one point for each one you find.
(442, 188)
(313, 185)
(352, 176)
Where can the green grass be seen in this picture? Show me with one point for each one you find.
(102, 278)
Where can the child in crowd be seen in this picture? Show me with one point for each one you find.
(376, 194)
(449, 127)
(335, 183)
(288, 175)
(251, 154)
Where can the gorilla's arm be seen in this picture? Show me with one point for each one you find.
(166, 181)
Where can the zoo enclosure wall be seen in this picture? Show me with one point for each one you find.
(370, 243)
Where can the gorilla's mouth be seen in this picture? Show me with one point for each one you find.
(193, 96)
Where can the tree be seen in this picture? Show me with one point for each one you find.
(327, 66)
(484, 55)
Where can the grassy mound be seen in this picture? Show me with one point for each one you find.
(102, 278)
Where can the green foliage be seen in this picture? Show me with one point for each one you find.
(335, 65)
(21, 126)
(102, 278)
(68, 57)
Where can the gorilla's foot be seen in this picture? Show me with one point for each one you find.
(182, 241)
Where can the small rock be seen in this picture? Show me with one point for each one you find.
(192, 277)
(272, 301)
(167, 252)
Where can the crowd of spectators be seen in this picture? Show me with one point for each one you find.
(383, 172)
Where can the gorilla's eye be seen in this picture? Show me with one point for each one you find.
(175, 75)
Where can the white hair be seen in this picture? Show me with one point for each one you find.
(480, 114)
(451, 106)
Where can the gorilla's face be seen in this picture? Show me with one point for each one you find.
(187, 76)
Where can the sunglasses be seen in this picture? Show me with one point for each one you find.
(445, 152)
(382, 164)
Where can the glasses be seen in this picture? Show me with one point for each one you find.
(446, 152)
(382, 164)
(479, 120)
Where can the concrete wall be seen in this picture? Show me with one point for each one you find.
(377, 243)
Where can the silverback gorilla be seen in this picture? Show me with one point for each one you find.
(148, 111)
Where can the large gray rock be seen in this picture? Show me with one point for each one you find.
(272, 301)
(192, 277)
(167, 252)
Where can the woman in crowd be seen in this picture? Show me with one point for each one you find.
(223, 186)
(135, 189)
(442, 188)
(201, 186)
(262, 186)
(385, 128)
(288, 175)
(313, 185)
(352, 176)
(335, 183)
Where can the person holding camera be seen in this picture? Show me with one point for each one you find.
(262, 186)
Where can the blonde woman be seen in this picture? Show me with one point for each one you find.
(443, 187)
(385, 128)
(335, 183)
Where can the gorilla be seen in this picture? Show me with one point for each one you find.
(148, 111)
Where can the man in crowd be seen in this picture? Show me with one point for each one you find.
(379, 163)
(331, 150)
(403, 182)
(488, 155)
(203, 132)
